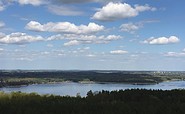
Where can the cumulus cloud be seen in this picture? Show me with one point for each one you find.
(64, 10)
(64, 27)
(2, 24)
(80, 1)
(55, 37)
(35, 26)
(45, 53)
(1, 49)
(74, 1)
(175, 54)
(84, 39)
(146, 7)
(114, 11)
(129, 27)
(32, 2)
(133, 27)
(184, 49)
(24, 59)
(91, 55)
(48, 2)
(80, 37)
(50, 45)
(2, 7)
(118, 52)
(4, 4)
(91, 37)
(72, 43)
(19, 38)
(2, 35)
(162, 40)
(86, 48)
(112, 37)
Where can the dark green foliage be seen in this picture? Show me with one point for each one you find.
(104, 102)
(76, 76)
(21, 77)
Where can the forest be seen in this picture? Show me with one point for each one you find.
(134, 101)
(26, 77)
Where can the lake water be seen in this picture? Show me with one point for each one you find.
(72, 89)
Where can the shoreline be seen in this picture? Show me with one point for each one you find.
(90, 82)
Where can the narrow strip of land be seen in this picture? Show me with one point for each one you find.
(23, 77)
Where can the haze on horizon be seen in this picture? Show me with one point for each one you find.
(92, 34)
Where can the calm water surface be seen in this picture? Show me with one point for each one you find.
(72, 89)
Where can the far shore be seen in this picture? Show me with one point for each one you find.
(88, 82)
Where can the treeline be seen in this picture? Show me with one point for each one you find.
(21, 77)
(13, 81)
(76, 76)
(116, 102)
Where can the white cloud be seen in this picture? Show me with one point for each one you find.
(71, 1)
(2, 35)
(61, 54)
(175, 54)
(134, 56)
(118, 52)
(113, 37)
(50, 45)
(35, 26)
(114, 11)
(80, 37)
(75, 39)
(24, 59)
(80, 1)
(133, 27)
(24, 19)
(45, 53)
(55, 37)
(86, 48)
(2, 7)
(72, 43)
(32, 2)
(84, 39)
(3, 4)
(129, 27)
(91, 55)
(2, 24)
(19, 38)
(64, 10)
(146, 7)
(65, 27)
(162, 40)
(1, 49)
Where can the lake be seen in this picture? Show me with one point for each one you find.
(71, 89)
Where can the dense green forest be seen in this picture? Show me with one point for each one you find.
(116, 102)
(23, 77)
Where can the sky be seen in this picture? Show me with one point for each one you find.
(92, 34)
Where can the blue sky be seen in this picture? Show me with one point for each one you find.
(92, 34)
